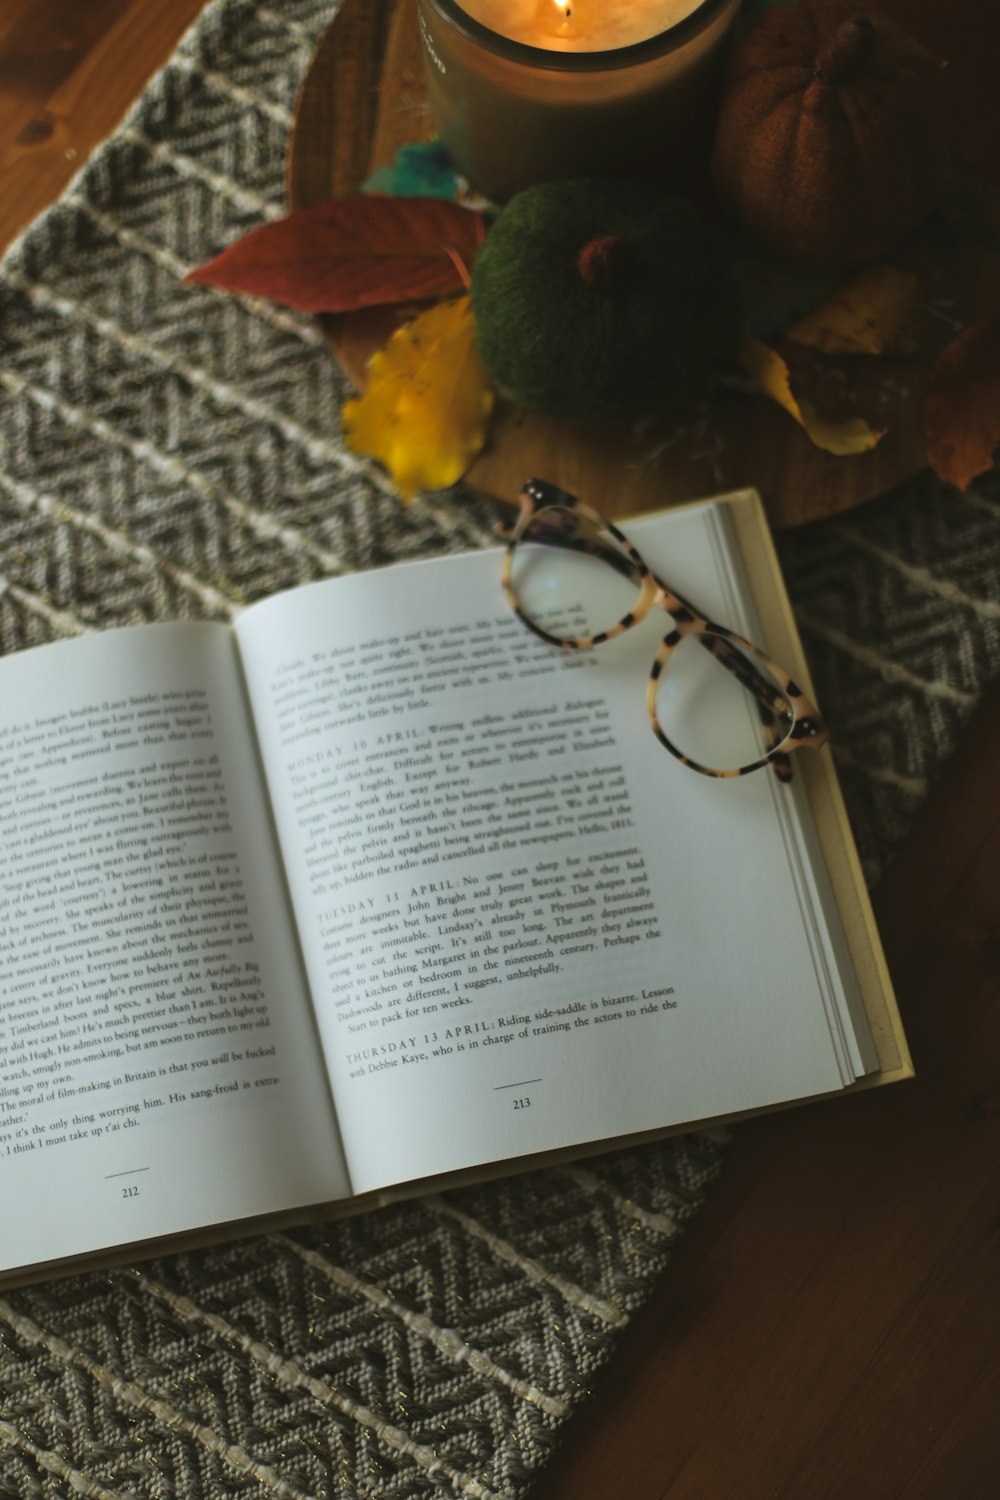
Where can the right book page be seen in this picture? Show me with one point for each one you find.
(525, 924)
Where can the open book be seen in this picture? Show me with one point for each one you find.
(375, 887)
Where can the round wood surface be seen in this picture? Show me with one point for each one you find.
(363, 98)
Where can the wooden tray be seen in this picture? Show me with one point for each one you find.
(363, 98)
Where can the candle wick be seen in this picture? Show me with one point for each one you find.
(557, 18)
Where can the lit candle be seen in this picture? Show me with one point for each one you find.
(579, 25)
(525, 91)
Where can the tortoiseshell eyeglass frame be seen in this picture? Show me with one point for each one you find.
(789, 722)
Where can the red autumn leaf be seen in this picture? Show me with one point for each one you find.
(355, 252)
(962, 407)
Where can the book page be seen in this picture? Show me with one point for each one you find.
(158, 1066)
(526, 925)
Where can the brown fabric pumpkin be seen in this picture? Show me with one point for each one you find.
(829, 141)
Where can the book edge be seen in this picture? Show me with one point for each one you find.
(828, 807)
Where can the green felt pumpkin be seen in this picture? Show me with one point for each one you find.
(829, 140)
(599, 300)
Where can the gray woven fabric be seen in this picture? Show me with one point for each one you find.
(169, 452)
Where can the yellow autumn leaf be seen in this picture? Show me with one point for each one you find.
(873, 312)
(771, 375)
(428, 399)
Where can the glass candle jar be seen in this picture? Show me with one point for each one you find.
(573, 88)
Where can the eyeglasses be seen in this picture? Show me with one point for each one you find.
(714, 700)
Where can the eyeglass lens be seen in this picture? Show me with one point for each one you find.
(717, 704)
(571, 578)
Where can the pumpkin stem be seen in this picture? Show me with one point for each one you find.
(843, 52)
(602, 260)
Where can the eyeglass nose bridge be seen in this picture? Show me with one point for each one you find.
(651, 595)
(672, 604)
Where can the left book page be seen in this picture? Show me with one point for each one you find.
(159, 1070)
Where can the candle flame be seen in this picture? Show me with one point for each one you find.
(559, 18)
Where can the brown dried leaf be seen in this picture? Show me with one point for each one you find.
(873, 312)
(962, 406)
(771, 374)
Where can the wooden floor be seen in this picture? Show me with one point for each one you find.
(829, 1330)
(69, 69)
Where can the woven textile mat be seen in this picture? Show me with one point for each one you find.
(169, 452)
